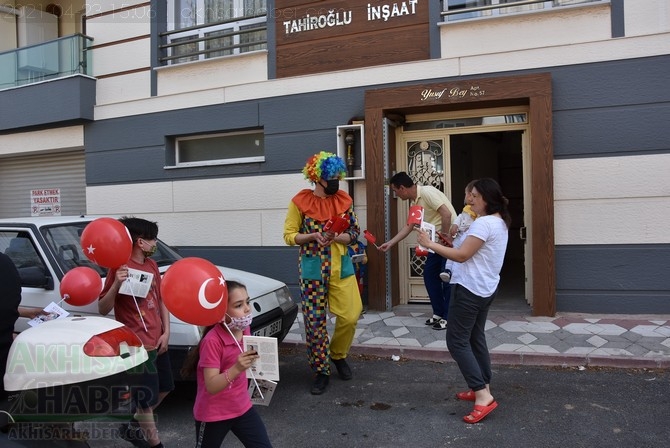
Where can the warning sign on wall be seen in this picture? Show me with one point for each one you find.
(45, 202)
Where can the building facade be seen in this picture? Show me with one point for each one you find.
(200, 114)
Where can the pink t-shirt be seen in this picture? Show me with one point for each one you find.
(219, 350)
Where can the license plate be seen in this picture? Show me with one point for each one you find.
(269, 330)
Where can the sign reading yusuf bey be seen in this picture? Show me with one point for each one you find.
(330, 35)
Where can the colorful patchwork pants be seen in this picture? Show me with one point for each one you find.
(343, 298)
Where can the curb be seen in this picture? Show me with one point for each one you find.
(507, 358)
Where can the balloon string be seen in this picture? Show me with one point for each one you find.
(66, 296)
(250, 371)
(132, 293)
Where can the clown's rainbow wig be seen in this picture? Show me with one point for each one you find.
(324, 165)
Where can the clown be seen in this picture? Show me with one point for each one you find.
(327, 280)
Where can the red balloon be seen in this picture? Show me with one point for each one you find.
(80, 286)
(107, 242)
(194, 290)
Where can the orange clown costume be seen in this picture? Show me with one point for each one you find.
(327, 280)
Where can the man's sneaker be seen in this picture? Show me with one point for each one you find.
(433, 320)
(320, 384)
(440, 325)
(445, 276)
(343, 368)
(131, 432)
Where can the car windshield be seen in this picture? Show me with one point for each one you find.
(64, 241)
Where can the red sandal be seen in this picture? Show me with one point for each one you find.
(479, 412)
(466, 396)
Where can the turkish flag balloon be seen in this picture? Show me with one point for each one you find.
(106, 242)
(80, 286)
(194, 290)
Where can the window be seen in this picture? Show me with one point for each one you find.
(488, 120)
(220, 149)
(454, 10)
(19, 246)
(203, 29)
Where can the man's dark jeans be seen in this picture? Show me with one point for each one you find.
(438, 291)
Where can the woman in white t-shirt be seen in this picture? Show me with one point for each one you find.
(474, 280)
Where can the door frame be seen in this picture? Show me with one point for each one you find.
(406, 283)
(533, 91)
(411, 288)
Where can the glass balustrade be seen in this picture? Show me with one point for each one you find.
(46, 61)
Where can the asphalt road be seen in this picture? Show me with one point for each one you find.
(411, 403)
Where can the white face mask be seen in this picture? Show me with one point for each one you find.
(239, 323)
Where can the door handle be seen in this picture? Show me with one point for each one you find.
(522, 233)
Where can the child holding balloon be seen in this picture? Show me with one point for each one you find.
(222, 403)
(148, 317)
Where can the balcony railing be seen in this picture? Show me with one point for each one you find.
(224, 38)
(472, 9)
(55, 59)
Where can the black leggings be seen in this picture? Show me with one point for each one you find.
(249, 428)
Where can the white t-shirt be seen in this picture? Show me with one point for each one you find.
(481, 273)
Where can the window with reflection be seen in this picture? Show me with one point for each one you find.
(454, 10)
(220, 149)
(213, 28)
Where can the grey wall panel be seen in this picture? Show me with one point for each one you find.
(115, 147)
(150, 129)
(284, 154)
(606, 84)
(280, 263)
(319, 110)
(618, 18)
(611, 108)
(144, 164)
(612, 131)
(287, 153)
(612, 303)
(61, 101)
(613, 83)
(627, 277)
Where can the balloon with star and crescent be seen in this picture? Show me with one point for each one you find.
(107, 242)
(194, 290)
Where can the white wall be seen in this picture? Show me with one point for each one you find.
(242, 211)
(121, 50)
(612, 200)
(231, 212)
(647, 17)
(8, 27)
(209, 74)
(71, 137)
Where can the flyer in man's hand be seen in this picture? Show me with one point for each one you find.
(266, 367)
(52, 312)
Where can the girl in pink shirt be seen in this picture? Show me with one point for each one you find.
(222, 403)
